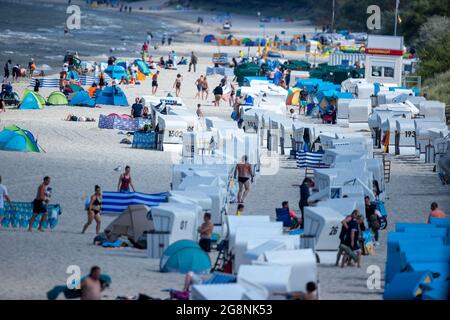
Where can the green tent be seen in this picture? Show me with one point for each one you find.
(31, 100)
(57, 98)
(37, 95)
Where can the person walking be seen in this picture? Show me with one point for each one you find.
(94, 210)
(245, 176)
(3, 196)
(198, 84)
(125, 181)
(155, 82)
(31, 67)
(136, 109)
(40, 203)
(193, 62)
(205, 88)
(177, 85)
(6, 70)
(199, 112)
(218, 93)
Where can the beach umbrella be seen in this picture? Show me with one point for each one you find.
(44, 67)
(293, 97)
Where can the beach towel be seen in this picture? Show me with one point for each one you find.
(114, 121)
(117, 202)
(18, 215)
(145, 140)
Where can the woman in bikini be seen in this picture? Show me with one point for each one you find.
(125, 181)
(95, 207)
(205, 88)
(177, 85)
(245, 176)
(198, 84)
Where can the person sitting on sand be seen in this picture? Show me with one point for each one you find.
(145, 113)
(91, 288)
(40, 203)
(94, 209)
(240, 209)
(295, 221)
(311, 293)
(92, 90)
(162, 63)
(125, 181)
(436, 212)
(123, 80)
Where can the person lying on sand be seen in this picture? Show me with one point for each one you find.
(72, 117)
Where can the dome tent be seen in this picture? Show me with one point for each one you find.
(82, 99)
(142, 66)
(209, 38)
(111, 96)
(31, 100)
(116, 72)
(184, 256)
(57, 98)
(13, 138)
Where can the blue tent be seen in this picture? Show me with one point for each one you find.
(111, 96)
(209, 38)
(31, 101)
(13, 138)
(142, 66)
(116, 72)
(72, 75)
(184, 256)
(82, 98)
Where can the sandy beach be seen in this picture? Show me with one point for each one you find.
(80, 155)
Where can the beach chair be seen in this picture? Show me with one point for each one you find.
(407, 286)
(439, 270)
(283, 216)
(394, 261)
(436, 290)
(402, 226)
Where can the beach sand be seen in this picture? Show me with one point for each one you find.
(79, 155)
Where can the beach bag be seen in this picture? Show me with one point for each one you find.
(374, 222)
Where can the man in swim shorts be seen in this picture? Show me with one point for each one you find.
(245, 176)
(40, 203)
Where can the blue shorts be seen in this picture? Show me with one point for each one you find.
(303, 103)
(2, 212)
(125, 190)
